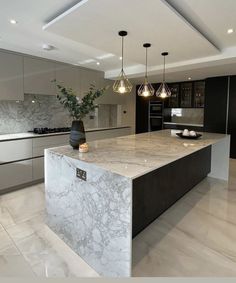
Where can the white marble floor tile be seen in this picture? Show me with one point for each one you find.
(23, 206)
(162, 251)
(195, 237)
(14, 266)
(12, 263)
(47, 255)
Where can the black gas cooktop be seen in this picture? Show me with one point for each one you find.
(43, 131)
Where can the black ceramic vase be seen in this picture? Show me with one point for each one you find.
(77, 134)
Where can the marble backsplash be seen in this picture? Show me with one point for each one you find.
(45, 111)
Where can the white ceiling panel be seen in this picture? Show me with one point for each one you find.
(96, 24)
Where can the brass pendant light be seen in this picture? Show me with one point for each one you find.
(122, 85)
(146, 89)
(163, 91)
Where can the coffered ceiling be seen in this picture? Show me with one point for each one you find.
(85, 33)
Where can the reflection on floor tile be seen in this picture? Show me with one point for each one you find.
(14, 266)
(195, 237)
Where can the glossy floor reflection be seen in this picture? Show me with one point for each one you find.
(195, 237)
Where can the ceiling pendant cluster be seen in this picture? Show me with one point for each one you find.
(122, 85)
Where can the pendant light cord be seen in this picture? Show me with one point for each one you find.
(146, 65)
(122, 52)
(164, 70)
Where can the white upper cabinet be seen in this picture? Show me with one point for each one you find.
(38, 76)
(88, 77)
(67, 75)
(11, 77)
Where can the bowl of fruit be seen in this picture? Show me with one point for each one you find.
(186, 134)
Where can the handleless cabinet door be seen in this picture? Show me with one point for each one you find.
(15, 174)
(15, 150)
(38, 76)
(87, 77)
(11, 77)
(40, 144)
(67, 75)
(38, 168)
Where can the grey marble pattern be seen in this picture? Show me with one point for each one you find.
(46, 111)
(170, 246)
(135, 155)
(93, 217)
(28, 248)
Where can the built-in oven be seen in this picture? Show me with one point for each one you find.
(155, 119)
(155, 108)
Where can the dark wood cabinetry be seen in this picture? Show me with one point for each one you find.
(199, 94)
(173, 101)
(142, 114)
(186, 95)
(215, 110)
(186, 90)
(232, 116)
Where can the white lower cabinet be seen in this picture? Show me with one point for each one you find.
(15, 150)
(39, 144)
(15, 174)
(38, 168)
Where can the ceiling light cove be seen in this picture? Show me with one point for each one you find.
(105, 56)
(13, 21)
(67, 12)
(48, 47)
(87, 61)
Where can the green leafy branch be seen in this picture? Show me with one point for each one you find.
(78, 107)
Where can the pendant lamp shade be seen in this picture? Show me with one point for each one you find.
(122, 85)
(146, 89)
(163, 91)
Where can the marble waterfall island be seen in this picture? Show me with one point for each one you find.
(98, 201)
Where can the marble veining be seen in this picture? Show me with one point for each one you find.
(135, 155)
(39, 111)
(169, 247)
(92, 217)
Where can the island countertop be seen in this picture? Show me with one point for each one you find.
(135, 155)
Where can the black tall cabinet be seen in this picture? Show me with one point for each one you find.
(215, 110)
(232, 116)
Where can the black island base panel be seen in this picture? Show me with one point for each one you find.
(156, 191)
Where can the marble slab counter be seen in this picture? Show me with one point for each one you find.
(98, 201)
(136, 155)
(30, 135)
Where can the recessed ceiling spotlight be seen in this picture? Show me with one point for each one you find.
(189, 78)
(98, 63)
(230, 30)
(120, 58)
(13, 21)
(47, 47)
